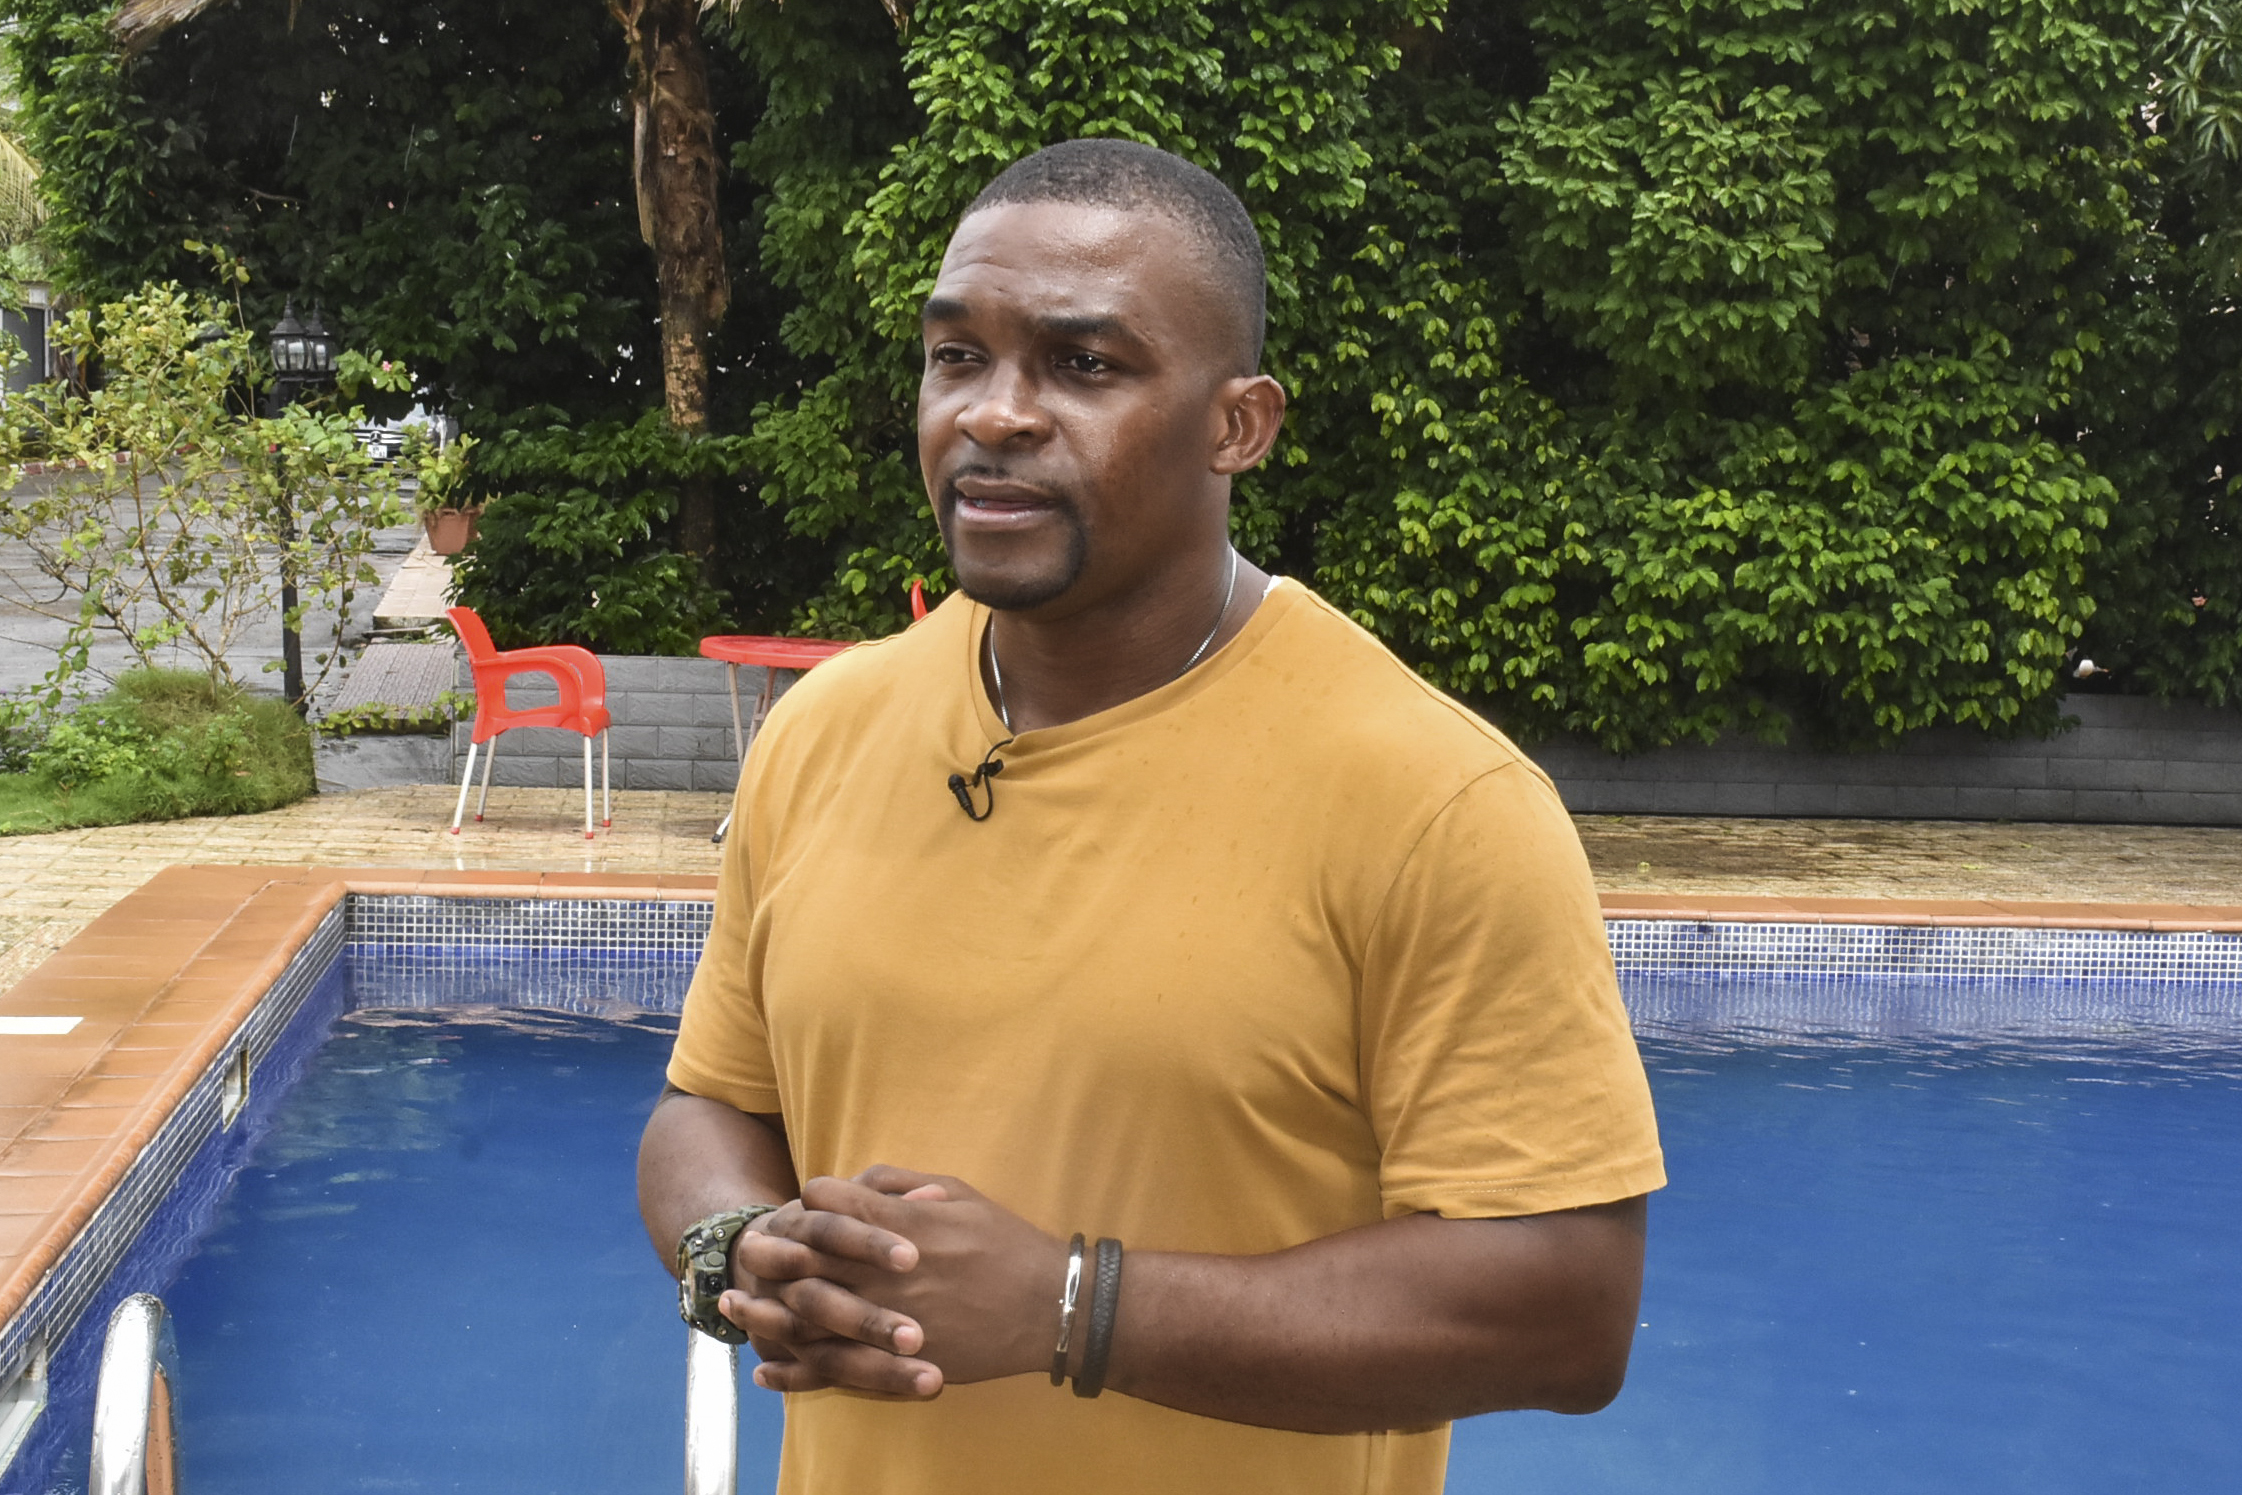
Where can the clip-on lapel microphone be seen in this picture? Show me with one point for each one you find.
(984, 779)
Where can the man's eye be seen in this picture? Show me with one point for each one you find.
(1085, 363)
(950, 354)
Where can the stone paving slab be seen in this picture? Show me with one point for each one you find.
(52, 885)
(1946, 859)
(405, 677)
(419, 592)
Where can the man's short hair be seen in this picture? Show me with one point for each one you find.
(1124, 174)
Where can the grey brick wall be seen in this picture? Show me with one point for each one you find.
(2127, 760)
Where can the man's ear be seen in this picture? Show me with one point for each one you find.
(1252, 408)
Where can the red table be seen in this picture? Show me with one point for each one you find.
(771, 655)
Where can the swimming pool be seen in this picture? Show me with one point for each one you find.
(1985, 1246)
(1932, 1233)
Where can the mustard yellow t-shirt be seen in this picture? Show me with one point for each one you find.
(1290, 945)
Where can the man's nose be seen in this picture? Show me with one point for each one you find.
(1005, 409)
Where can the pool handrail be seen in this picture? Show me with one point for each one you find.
(131, 1419)
(712, 1416)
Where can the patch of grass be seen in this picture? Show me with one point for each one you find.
(165, 744)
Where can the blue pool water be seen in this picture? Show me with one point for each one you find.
(1987, 1264)
(1909, 1245)
(431, 1277)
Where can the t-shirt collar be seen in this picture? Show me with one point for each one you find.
(1208, 673)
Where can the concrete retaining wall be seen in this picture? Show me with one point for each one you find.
(2127, 761)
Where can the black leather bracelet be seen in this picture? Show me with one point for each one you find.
(1105, 1301)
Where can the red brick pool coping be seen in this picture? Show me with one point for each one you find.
(162, 980)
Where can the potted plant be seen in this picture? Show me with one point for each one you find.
(447, 516)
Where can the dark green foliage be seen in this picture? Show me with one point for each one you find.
(2164, 398)
(451, 179)
(163, 745)
(1659, 367)
(1797, 297)
(570, 537)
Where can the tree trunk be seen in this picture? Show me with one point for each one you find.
(676, 171)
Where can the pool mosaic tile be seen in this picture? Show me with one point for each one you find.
(1855, 952)
(2074, 1017)
(529, 923)
(592, 981)
(591, 954)
(454, 934)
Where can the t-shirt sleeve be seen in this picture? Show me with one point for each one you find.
(1499, 1069)
(723, 1050)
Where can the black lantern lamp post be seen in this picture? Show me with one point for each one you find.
(303, 357)
(303, 361)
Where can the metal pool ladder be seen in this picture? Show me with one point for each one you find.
(134, 1452)
(712, 1416)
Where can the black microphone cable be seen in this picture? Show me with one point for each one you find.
(984, 779)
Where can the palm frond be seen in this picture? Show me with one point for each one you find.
(141, 20)
(21, 211)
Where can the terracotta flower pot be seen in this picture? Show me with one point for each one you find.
(451, 530)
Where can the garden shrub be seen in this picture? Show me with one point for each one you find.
(574, 545)
(1660, 368)
(164, 744)
(379, 719)
(181, 513)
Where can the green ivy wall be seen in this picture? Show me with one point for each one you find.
(1659, 367)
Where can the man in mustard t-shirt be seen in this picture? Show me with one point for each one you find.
(1149, 1040)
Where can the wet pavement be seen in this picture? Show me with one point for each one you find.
(52, 885)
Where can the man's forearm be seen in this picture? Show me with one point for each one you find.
(699, 1156)
(1407, 1323)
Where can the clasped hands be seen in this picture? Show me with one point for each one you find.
(894, 1283)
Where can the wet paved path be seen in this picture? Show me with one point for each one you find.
(52, 885)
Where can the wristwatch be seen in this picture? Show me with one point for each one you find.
(704, 1269)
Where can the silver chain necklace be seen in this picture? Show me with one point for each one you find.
(1229, 595)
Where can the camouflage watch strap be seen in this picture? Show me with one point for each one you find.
(704, 1269)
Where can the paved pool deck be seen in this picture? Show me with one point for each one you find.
(52, 886)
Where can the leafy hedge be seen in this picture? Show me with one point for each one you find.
(1660, 367)
(164, 744)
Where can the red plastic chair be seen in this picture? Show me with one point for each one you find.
(582, 707)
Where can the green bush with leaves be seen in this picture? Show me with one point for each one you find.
(377, 719)
(1659, 367)
(1802, 295)
(163, 745)
(574, 537)
(178, 512)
